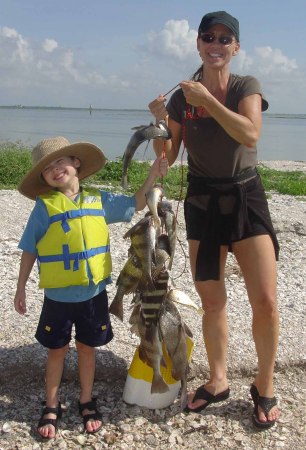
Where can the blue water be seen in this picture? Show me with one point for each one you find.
(283, 136)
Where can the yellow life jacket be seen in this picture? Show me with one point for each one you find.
(77, 235)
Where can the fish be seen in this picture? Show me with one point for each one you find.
(165, 211)
(173, 333)
(151, 301)
(161, 256)
(143, 133)
(153, 197)
(128, 281)
(178, 296)
(143, 242)
(151, 353)
(163, 243)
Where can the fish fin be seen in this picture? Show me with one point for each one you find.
(135, 315)
(116, 308)
(159, 386)
(143, 355)
(183, 399)
(163, 362)
(170, 262)
(135, 227)
(150, 333)
(187, 330)
(138, 127)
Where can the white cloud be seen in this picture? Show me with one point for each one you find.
(15, 47)
(176, 41)
(46, 70)
(49, 45)
(283, 82)
(266, 60)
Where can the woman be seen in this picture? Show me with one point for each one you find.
(217, 116)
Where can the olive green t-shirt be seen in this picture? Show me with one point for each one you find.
(211, 151)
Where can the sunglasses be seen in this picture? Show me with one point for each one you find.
(208, 38)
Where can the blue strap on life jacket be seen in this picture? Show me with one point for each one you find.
(72, 214)
(76, 257)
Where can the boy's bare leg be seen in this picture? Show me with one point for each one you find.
(87, 367)
(54, 372)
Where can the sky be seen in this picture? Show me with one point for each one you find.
(124, 53)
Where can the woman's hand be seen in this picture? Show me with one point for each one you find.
(194, 92)
(158, 108)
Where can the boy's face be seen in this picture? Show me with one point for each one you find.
(61, 172)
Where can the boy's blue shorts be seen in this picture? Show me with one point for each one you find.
(90, 318)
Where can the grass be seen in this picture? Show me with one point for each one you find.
(15, 162)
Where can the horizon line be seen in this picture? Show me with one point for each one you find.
(91, 108)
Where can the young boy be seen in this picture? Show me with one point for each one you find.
(68, 235)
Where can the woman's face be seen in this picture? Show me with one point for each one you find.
(217, 46)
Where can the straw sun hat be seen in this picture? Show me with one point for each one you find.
(91, 157)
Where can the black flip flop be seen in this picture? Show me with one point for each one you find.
(203, 394)
(266, 403)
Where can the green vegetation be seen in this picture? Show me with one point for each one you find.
(15, 161)
(292, 183)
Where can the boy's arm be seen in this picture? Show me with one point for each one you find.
(26, 264)
(158, 169)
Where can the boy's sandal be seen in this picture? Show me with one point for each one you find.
(45, 421)
(266, 403)
(96, 415)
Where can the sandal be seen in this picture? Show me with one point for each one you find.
(96, 415)
(203, 394)
(54, 422)
(266, 403)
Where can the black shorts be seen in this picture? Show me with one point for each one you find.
(90, 318)
(196, 221)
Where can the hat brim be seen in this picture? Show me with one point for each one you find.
(91, 157)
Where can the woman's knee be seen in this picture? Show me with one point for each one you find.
(212, 295)
(265, 305)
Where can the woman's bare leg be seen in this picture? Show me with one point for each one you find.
(256, 258)
(215, 328)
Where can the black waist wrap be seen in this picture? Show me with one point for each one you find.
(249, 197)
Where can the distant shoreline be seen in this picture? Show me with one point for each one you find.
(92, 109)
(284, 165)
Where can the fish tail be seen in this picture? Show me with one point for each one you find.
(159, 386)
(116, 308)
